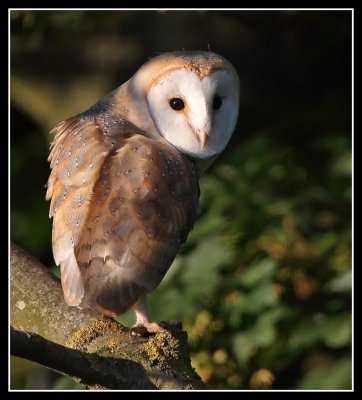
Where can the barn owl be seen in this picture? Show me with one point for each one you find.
(124, 184)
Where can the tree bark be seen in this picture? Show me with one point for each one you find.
(96, 351)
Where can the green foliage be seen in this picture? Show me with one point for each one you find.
(263, 285)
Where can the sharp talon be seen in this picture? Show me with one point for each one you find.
(149, 328)
(139, 330)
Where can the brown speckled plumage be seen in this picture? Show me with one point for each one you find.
(125, 202)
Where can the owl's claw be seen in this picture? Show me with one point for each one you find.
(149, 328)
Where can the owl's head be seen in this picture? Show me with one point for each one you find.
(192, 99)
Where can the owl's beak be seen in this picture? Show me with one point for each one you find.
(202, 136)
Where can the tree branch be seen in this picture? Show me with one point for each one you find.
(99, 352)
(91, 370)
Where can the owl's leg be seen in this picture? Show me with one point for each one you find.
(143, 325)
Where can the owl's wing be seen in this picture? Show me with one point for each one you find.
(144, 205)
(122, 204)
(78, 151)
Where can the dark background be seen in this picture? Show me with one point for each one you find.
(263, 285)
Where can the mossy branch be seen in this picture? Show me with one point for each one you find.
(98, 352)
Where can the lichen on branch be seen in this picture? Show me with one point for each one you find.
(99, 352)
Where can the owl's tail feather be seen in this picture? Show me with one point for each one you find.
(114, 296)
(72, 280)
(118, 300)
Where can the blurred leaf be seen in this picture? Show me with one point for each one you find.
(66, 383)
(341, 283)
(262, 379)
(259, 272)
(261, 297)
(202, 266)
(334, 331)
(327, 375)
(261, 334)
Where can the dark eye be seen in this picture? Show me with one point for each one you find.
(177, 104)
(216, 104)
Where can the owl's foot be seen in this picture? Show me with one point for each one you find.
(148, 328)
(143, 326)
